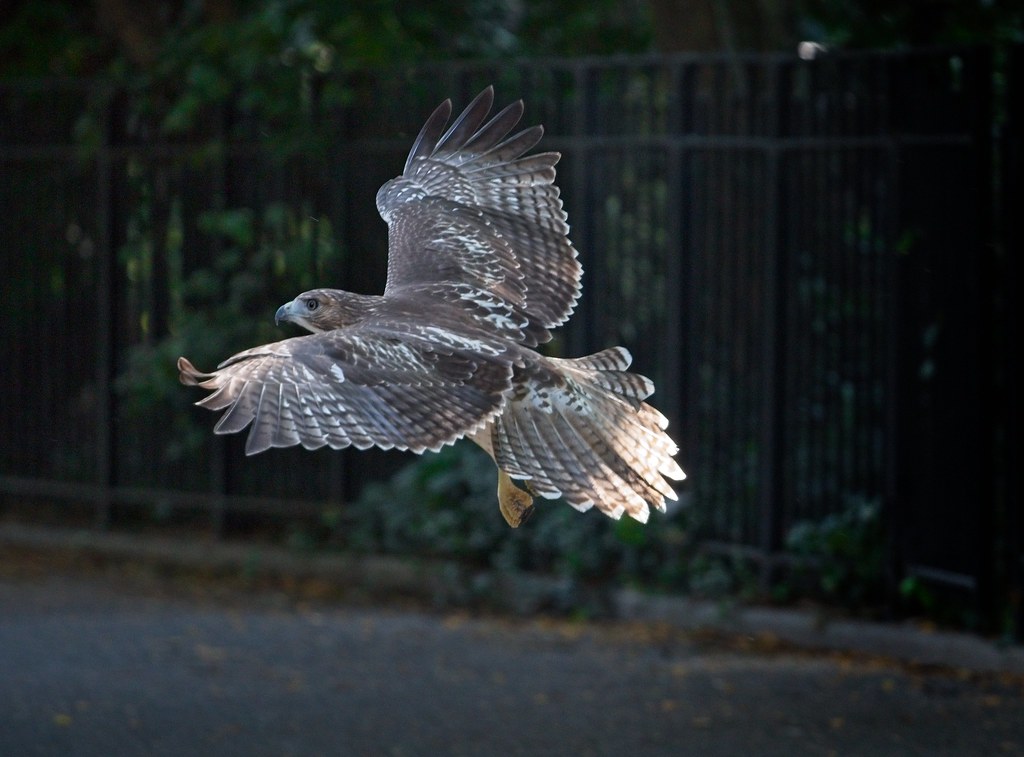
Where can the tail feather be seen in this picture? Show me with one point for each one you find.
(610, 359)
(607, 369)
(580, 429)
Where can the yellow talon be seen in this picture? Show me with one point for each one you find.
(516, 505)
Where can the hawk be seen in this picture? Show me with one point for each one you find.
(480, 269)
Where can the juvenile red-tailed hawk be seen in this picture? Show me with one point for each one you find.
(479, 269)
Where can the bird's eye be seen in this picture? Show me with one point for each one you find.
(312, 304)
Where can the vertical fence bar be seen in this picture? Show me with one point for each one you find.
(684, 83)
(219, 462)
(898, 393)
(676, 268)
(890, 275)
(982, 312)
(1013, 237)
(771, 456)
(581, 337)
(106, 334)
(337, 201)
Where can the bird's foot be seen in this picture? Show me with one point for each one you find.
(516, 505)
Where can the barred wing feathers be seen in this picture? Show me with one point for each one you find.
(580, 429)
(357, 388)
(472, 210)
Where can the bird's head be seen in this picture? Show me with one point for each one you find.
(316, 310)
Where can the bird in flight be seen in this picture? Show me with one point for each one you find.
(480, 269)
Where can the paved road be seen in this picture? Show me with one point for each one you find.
(92, 666)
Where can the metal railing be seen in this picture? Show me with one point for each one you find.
(797, 252)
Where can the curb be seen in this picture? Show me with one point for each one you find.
(906, 642)
(445, 583)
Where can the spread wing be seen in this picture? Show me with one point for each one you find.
(472, 211)
(354, 387)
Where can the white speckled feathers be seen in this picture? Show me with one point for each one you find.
(471, 210)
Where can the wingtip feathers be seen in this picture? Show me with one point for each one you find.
(187, 373)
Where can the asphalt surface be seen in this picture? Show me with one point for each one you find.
(100, 665)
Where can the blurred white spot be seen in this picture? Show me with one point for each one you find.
(810, 50)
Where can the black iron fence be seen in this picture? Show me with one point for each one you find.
(813, 259)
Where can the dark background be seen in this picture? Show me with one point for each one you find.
(813, 256)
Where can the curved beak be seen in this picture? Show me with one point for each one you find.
(284, 313)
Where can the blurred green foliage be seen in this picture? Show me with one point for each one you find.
(219, 308)
(278, 61)
(217, 43)
(445, 505)
(843, 554)
(206, 48)
(902, 23)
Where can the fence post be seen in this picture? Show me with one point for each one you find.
(770, 459)
(983, 314)
(219, 484)
(220, 476)
(677, 269)
(941, 490)
(107, 294)
(581, 337)
(1013, 238)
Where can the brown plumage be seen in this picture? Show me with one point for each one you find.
(480, 268)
